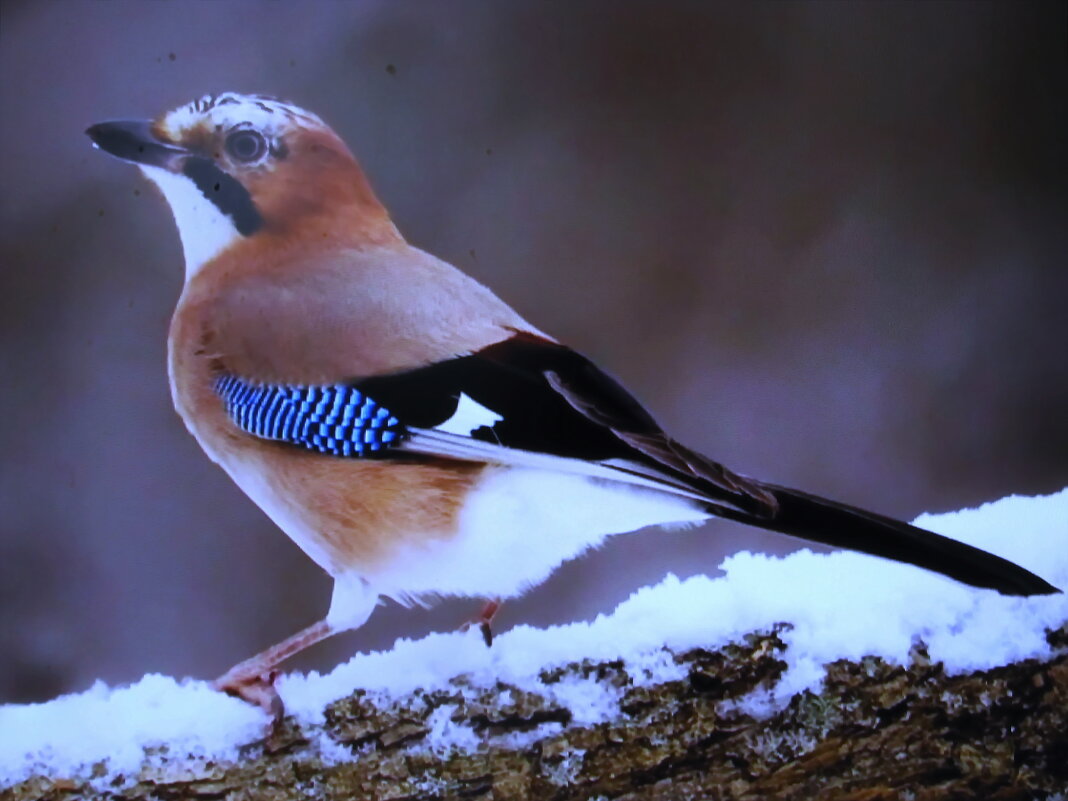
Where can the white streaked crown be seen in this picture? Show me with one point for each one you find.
(231, 110)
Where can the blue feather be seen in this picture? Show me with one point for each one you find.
(336, 420)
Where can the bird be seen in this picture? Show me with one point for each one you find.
(405, 427)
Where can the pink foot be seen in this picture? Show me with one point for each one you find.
(257, 690)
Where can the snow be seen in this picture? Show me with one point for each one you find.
(446, 734)
(841, 606)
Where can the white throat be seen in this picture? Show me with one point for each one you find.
(204, 230)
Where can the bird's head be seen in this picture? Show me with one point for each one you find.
(238, 168)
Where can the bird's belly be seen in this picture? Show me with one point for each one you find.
(353, 516)
(517, 525)
(284, 513)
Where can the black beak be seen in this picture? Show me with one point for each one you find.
(133, 141)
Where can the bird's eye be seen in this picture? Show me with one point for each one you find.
(246, 145)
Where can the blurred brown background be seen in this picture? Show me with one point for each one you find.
(825, 243)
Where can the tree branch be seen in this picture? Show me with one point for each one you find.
(874, 731)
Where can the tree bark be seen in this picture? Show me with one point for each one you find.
(875, 731)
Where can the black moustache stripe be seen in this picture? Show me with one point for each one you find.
(226, 192)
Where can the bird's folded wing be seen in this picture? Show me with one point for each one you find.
(531, 402)
(522, 401)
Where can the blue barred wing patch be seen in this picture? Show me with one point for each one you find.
(336, 420)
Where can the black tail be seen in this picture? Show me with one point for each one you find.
(820, 520)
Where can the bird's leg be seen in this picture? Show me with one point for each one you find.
(253, 679)
(484, 619)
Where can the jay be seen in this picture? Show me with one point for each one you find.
(404, 426)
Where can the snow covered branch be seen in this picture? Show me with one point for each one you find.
(813, 674)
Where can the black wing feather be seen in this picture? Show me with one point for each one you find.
(556, 402)
(509, 379)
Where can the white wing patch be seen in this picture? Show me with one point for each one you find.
(469, 415)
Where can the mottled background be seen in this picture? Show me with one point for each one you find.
(825, 243)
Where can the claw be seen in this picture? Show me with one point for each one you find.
(484, 621)
(257, 690)
(253, 680)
